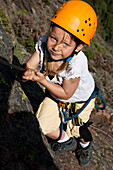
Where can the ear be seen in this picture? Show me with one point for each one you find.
(79, 47)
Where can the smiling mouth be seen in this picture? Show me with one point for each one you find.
(53, 53)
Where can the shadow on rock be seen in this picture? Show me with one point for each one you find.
(21, 144)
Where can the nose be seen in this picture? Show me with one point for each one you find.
(57, 47)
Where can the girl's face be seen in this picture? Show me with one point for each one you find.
(59, 44)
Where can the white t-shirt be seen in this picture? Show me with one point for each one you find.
(77, 67)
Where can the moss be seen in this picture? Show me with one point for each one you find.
(89, 53)
(17, 32)
(111, 53)
(23, 94)
(2, 80)
(18, 125)
(100, 48)
(23, 11)
(30, 45)
(18, 52)
(47, 2)
(4, 19)
(21, 41)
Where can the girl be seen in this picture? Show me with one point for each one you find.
(64, 72)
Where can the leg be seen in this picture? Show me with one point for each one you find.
(64, 144)
(55, 134)
(48, 117)
(83, 134)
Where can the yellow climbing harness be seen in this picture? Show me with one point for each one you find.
(68, 109)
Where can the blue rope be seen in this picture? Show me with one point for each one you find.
(101, 108)
(97, 91)
(104, 104)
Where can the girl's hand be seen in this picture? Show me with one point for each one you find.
(33, 75)
(29, 74)
(39, 77)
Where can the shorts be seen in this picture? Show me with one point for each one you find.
(49, 120)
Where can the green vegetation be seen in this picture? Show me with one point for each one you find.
(30, 45)
(104, 10)
(89, 53)
(100, 48)
(4, 19)
(47, 2)
(18, 52)
(23, 11)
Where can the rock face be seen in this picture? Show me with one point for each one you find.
(22, 144)
(20, 138)
(6, 46)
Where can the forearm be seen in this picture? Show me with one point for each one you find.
(56, 89)
(64, 91)
(33, 62)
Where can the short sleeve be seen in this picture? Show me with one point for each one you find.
(41, 43)
(40, 48)
(78, 67)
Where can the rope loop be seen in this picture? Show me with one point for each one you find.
(63, 114)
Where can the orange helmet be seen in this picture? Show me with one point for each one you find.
(78, 18)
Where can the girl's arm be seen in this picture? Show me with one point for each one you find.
(31, 65)
(33, 61)
(65, 91)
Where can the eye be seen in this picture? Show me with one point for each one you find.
(66, 44)
(53, 38)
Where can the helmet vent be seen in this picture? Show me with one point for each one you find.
(77, 30)
(89, 25)
(83, 34)
(85, 21)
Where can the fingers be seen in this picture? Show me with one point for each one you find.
(29, 74)
(39, 77)
(33, 75)
(37, 73)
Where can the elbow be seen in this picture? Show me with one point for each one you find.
(28, 65)
(66, 97)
